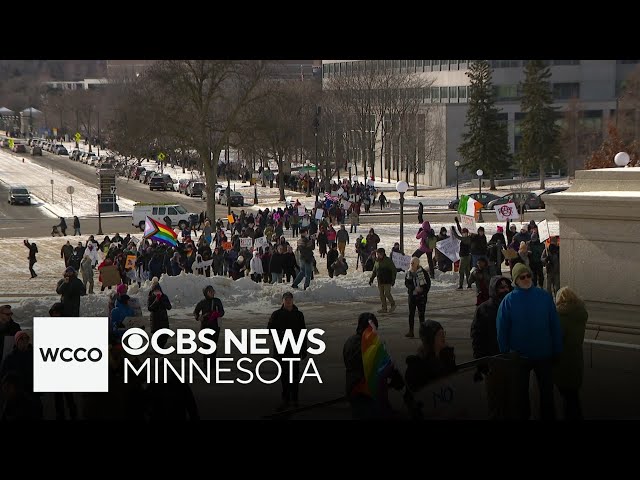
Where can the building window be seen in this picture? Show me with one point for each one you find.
(427, 65)
(435, 94)
(396, 64)
(444, 93)
(566, 62)
(426, 94)
(462, 92)
(453, 92)
(565, 91)
(435, 64)
(419, 65)
(411, 65)
(506, 92)
(444, 64)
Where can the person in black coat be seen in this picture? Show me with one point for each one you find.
(33, 249)
(484, 334)
(158, 304)
(420, 213)
(71, 289)
(332, 256)
(76, 226)
(288, 317)
(63, 226)
(20, 363)
(435, 359)
(208, 312)
(418, 284)
(8, 328)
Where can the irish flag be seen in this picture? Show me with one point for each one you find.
(159, 232)
(468, 206)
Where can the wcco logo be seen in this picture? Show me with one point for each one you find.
(71, 354)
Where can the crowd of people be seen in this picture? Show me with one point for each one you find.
(542, 330)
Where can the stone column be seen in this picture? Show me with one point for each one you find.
(600, 242)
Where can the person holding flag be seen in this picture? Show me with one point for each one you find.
(369, 371)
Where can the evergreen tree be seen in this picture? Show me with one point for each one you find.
(485, 144)
(540, 134)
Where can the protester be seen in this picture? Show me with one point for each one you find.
(363, 404)
(551, 259)
(71, 288)
(33, 249)
(528, 324)
(464, 253)
(434, 359)
(418, 284)
(289, 319)
(386, 272)
(208, 312)
(481, 277)
(158, 304)
(568, 370)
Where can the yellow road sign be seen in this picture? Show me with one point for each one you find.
(161, 156)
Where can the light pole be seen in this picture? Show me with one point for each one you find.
(401, 188)
(457, 165)
(99, 216)
(308, 178)
(479, 172)
(255, 193)
(316, 183)
(316, 126)
(349, 167)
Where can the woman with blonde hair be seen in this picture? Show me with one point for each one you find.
(569, 367)
(418, 283)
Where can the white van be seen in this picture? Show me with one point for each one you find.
(177, 213)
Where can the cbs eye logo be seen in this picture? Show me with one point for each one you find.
(135, 341)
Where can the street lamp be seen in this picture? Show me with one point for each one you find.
(349, 165)
(316, 183)
(457, 165)
(99, 216)
(479, 172)
(622, 159)
(401, 188)
(308, 178)
(255, 193)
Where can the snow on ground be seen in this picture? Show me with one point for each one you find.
(33, 297)
(37, 179)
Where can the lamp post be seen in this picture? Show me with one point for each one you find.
(316, 126)
(316, 183)
(457, 165)
(401, 188)
(349, 165)
(479, 172)
(255, 193)
(309, 178)
(621, 159)
(99, 216)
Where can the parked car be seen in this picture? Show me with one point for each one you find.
(5, 143)
(195, 188)
(19, 148)
(19, 195)
(61, 150)
(181, 185)
(549, 191)
(523, 200)
(233, 198)
(36, 150)
(161, 182)
(177, 213)
(483, 198)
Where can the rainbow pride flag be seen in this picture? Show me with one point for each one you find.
(154, 230)
(376, 362)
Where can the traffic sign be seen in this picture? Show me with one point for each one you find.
(77, 136)
(161, 156)
(70, 190)
(113, 189)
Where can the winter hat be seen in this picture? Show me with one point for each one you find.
(124, 298)
(70, 270)
(19, 334)
(121, 289)
(500, 229)
(518, 270)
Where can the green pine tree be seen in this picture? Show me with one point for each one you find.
(540, 134)
(485, 144)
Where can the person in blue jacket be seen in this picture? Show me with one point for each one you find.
(528, 324)
(121, 311)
